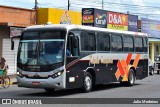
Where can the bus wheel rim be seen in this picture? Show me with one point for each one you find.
(131, 78)
(88, 82)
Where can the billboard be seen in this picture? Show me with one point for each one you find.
(100, 18)
(117, 21)
(151, 27)
(88, 16)
(133, 23)
(59, 16)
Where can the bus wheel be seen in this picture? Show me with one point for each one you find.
(131, 78)
(158, 72)
(151, 72)
(87, 84)
(49, 90)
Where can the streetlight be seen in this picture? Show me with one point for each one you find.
(68, 4)
(102, 4)
(36, 8)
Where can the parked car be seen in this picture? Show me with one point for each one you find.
(157, 64)
(151, 67)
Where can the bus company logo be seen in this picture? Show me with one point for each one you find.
(99, 60)
(101, 19)
(124, 66)
(65, 19)
(87, 12)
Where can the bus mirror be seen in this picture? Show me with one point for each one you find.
(75, 42)
(12, 44)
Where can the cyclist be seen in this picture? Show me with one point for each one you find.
(3, 67)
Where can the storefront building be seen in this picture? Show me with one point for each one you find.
(110, 20)
(12, 22)
(152, 28)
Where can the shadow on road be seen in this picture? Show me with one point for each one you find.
(59, 93)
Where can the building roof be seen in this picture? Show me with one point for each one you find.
(16, 7)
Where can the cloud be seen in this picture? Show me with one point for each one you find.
(138, 2)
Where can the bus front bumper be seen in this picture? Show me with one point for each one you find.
(56, 83)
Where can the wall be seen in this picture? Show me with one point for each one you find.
(17, 16)
(4, 33)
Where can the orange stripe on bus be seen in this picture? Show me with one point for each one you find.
(128, 58)
(136, 60)
(120, 66)
(118, 74)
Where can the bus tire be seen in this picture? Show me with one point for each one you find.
(152, 72)
(158, 72)
(49, 90)
(131, 78)
(87, 83)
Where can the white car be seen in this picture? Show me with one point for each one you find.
(151, 67)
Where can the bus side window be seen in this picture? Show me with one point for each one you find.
(116, 43)
(75, 44)
(72, 45)
(145, 45)
(128, 44)
(103, 42)
(88, 41)
(138, 44)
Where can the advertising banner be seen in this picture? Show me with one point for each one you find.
(117, 21)
(100, 18)
(88, 16)
(133, 23)
(151, 27)
(15, 31)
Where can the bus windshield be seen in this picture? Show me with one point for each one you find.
(41, 47)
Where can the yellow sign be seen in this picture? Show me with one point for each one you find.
(117, 27)
(57, 16)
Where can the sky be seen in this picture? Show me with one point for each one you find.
(143, 8)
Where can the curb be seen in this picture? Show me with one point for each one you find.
(13, 83)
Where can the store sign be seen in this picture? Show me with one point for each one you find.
(100, 18)
(133, 23)
(117, 21)
(88, 19)
(65, 19)
(88, 16)
(14, 31)
(151, 27)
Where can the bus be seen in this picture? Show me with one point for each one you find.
(73, 56)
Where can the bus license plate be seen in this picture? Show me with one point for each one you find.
(35, 83)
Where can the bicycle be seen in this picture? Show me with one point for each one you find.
(4, 80)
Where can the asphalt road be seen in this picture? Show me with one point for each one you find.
(146, 88)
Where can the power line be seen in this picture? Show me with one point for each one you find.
(119, 4)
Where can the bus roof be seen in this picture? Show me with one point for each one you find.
(69, 27)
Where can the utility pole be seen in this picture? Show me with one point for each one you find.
(36, 9)
(68, 4)
(102, 4)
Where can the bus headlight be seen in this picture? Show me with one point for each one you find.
(19, 74)
(57, 74)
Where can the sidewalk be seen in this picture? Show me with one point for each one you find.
(13, 79)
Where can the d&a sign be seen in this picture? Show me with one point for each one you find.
(117, 21)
